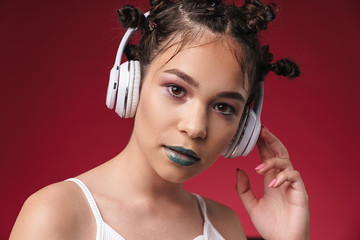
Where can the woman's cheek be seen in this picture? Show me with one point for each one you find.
(224, 132)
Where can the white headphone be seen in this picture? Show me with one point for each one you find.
(124, 87)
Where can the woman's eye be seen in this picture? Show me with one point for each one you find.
(176, 91)
(224, 108)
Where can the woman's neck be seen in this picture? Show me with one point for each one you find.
(137, 178)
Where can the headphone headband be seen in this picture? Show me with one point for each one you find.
(115, 71)
(130, 32)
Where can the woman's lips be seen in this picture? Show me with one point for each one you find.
(181, 156)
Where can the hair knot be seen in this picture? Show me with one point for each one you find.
(131, 17)
(285, 67)
(257, 15)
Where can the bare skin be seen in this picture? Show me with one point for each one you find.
(283, 211)
(140, 193)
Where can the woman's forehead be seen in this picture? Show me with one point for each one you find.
(208, 60)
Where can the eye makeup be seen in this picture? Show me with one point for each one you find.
(227, 104)
(229, 110)
(176, 91)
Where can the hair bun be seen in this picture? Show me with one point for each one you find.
(286, 67)
(257, 15)
(131, 17)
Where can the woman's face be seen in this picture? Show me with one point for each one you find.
(189, 108)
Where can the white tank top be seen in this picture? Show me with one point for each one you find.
(105, 232)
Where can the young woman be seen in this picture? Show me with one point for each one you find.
(201, 67)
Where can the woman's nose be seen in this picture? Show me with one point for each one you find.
(194, 122)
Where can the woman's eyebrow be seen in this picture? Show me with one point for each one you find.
(183, 76)
(233, 95)
(191, 81)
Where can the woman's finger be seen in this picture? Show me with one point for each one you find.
(244, 191)
(274, 163)
(274, 144)
(291, 176)
(264, 150)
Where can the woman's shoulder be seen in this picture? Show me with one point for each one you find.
(224, 219)
(58, 211)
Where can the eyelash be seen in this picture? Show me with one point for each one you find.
(229, 109)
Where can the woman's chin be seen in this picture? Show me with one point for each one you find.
(178, 174)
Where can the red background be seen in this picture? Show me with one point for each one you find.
(55, 61)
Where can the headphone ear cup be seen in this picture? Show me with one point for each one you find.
(249, 128)
(135, 77)
(250, 136)
(234, 143)
(253, 139)
(128, 89)
(112, 87)
(122, 92)
(245, 138)
(124, 83)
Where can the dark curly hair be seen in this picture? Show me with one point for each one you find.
(179, 22)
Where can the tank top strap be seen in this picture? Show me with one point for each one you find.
(202, 205)
(210, 232)
(93, 206)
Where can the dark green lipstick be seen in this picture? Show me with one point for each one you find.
(181, 156)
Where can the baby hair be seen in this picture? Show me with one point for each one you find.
(179, 22)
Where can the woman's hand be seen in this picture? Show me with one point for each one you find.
(283, 211)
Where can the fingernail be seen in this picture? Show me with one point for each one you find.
(261, 166)
(272, 183)
(263, 126)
